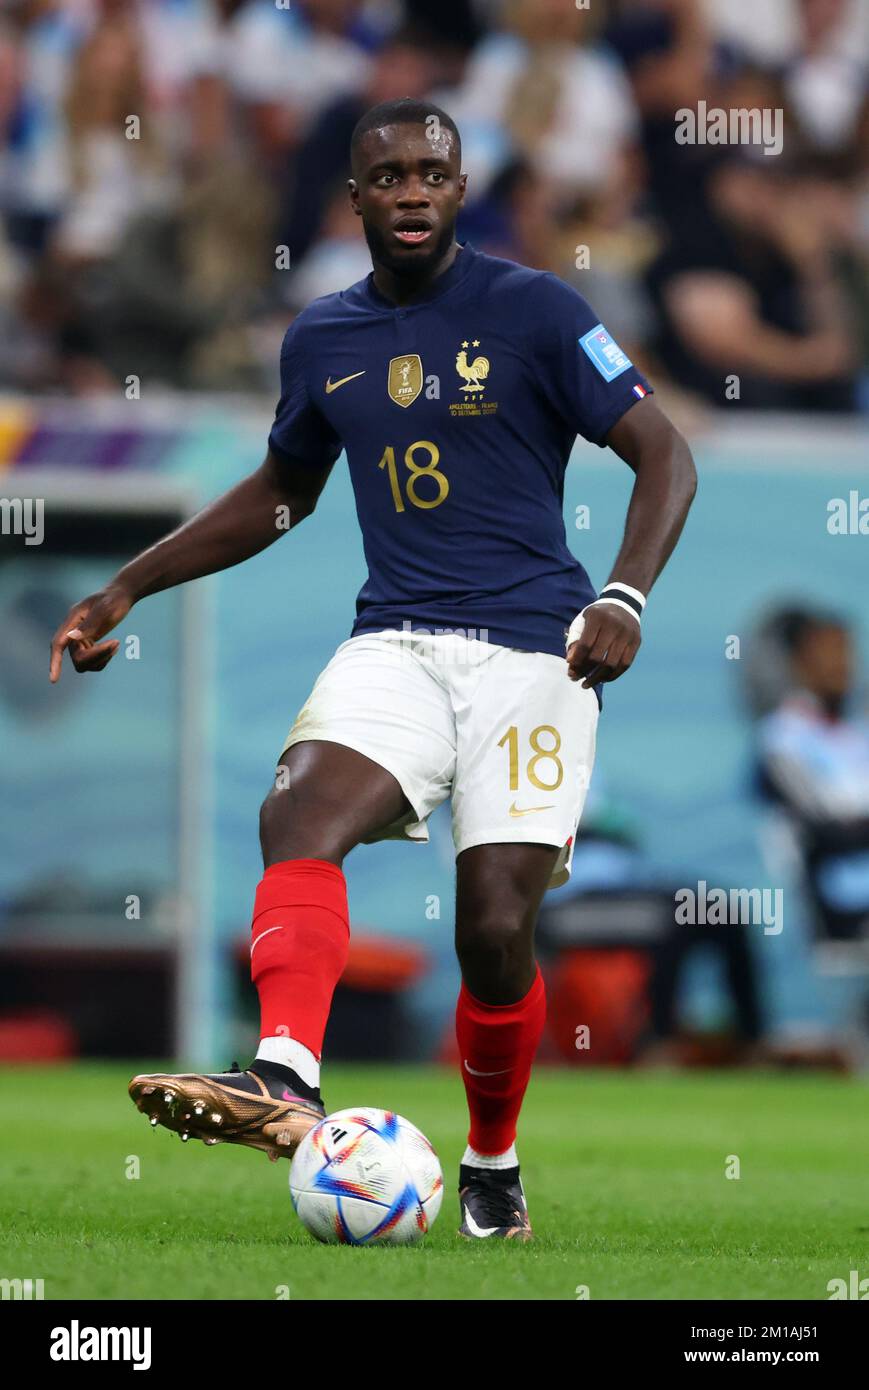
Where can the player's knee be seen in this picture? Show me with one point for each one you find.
(494, 944)
(290, 828)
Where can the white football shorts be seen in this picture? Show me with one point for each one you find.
(504, 732)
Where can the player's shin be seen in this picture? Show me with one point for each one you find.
(299, 948)
(497, 1045)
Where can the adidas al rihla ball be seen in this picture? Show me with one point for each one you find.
(366, 1177)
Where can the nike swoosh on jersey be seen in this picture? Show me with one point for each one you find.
(474, 1072)
(333, 385)
(528, 810)
(478, 1230)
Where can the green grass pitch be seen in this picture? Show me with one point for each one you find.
(624, 1172)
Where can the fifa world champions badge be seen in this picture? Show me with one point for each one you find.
(404, 379)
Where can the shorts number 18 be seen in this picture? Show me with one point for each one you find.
(511, 741)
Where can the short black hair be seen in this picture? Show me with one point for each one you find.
(795, 625)
(402, 111)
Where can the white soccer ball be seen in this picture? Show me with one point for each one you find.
(366, 1177)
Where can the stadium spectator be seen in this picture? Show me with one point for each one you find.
(567, 118)
(180, 297)
(116, 165)
(750, 302)
(813, 759)
(40, 40)
(557, 99)
(827, 84)
(673, 61)
(338, 256)
(284, 66)
(516, 218)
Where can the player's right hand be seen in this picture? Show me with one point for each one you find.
(84, 625)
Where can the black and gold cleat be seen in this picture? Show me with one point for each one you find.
(493, 1204)
(235, 1107)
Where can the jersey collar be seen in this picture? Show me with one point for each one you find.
(457, 272)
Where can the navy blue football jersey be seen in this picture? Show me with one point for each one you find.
(458, 414)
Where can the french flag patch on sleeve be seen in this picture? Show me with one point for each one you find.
(639, 391)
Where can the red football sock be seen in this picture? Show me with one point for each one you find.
(497, 1043)
(301, 933)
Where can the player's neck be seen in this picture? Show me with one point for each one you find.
(403, 289)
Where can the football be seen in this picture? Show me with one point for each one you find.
(366, 1177)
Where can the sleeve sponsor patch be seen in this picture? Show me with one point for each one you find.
(604, 353)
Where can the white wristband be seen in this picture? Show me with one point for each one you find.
(621, 595)
(617, 603)
(616, 588)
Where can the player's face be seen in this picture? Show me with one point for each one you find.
(825, 662)
(408, 188)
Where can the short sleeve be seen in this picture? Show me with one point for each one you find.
(300, 431)
(583, 373)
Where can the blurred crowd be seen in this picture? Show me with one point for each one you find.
(156, 155)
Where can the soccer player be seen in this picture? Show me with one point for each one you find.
(456, 383)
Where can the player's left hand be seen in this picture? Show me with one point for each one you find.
(609, 642)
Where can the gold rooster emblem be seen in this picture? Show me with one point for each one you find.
(474, 373)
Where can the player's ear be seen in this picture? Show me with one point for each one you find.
(353, 189)
(463, 183)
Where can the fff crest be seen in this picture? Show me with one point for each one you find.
(404, 382)
(473, 372)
